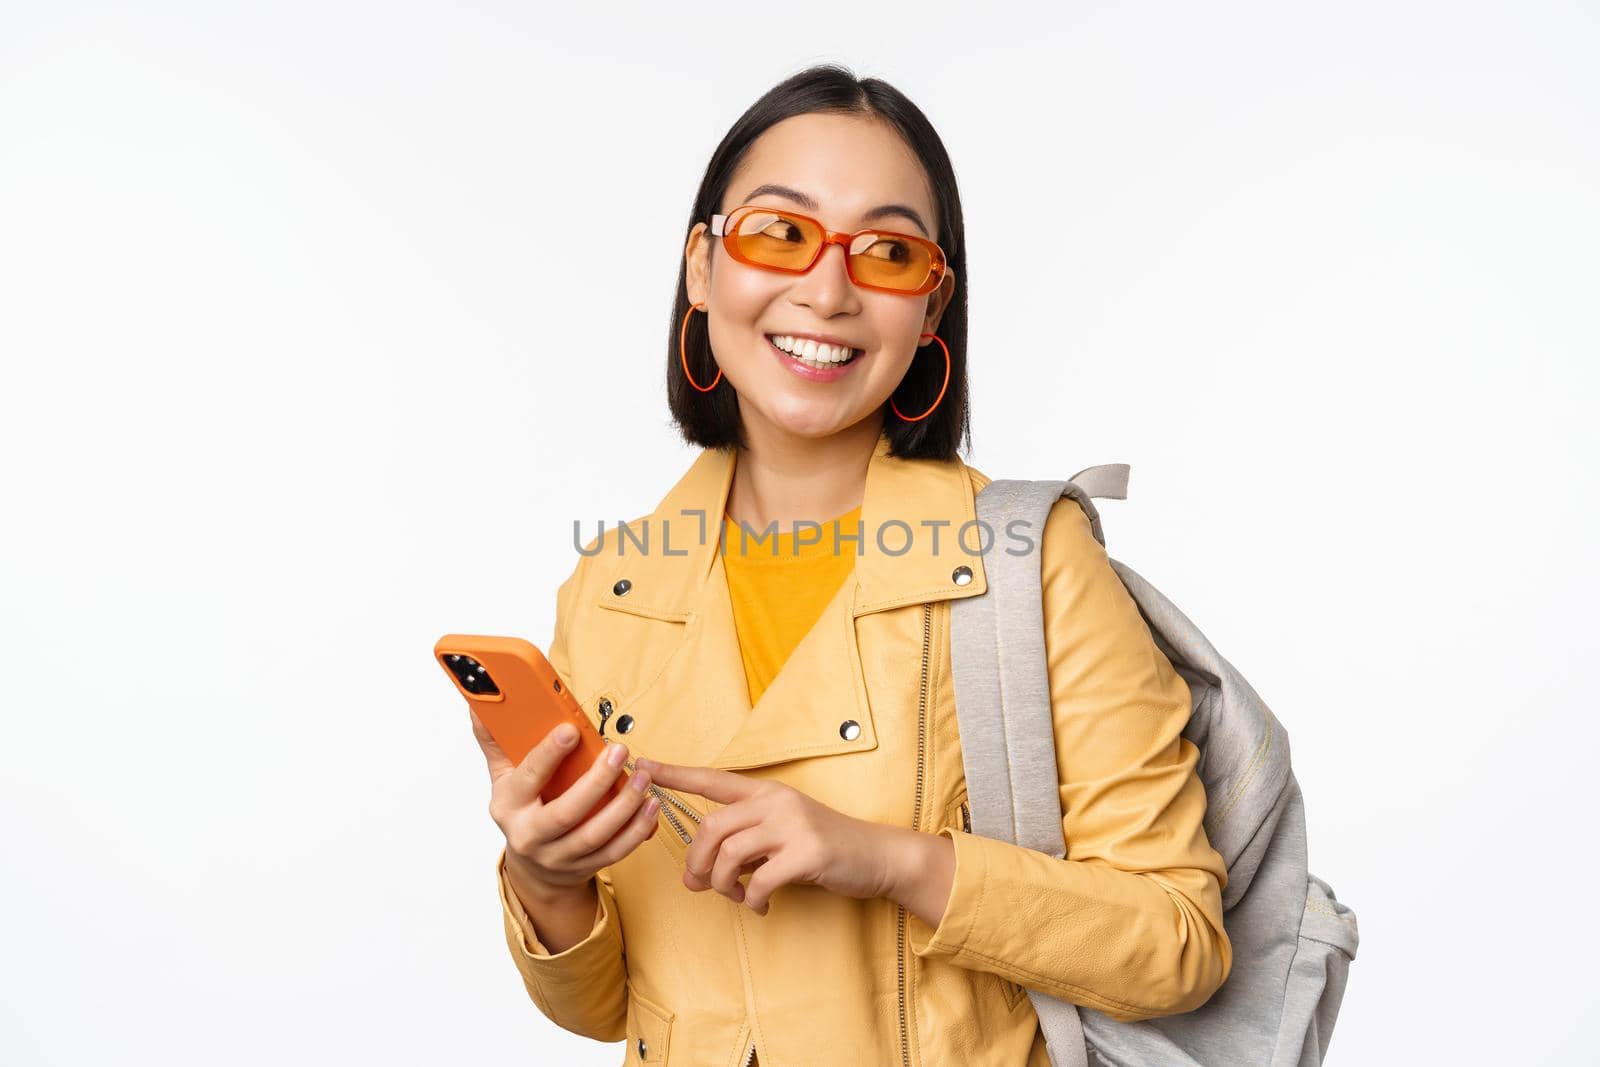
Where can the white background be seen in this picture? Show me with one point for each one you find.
(306, 363)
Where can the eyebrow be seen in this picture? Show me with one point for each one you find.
(879, 212)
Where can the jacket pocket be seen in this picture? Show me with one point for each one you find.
(1012, 992)
(958, 815)
(649, 1029)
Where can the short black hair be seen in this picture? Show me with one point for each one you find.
(711, 419)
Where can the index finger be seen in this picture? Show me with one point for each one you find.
(528, 778)
(499, 762)
(713, 783)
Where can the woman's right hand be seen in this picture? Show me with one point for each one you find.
(551, 850)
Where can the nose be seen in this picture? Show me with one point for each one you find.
(826, 288)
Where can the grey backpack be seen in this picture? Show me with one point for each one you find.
(1292, 939)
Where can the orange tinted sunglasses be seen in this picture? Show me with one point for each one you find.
(780, 240)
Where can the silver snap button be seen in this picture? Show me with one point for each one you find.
(643, 1052)
(622, 587)
(849, 729)
(605, 706)
(962, 574)
(624, 723)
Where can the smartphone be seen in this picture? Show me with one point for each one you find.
(519, 698)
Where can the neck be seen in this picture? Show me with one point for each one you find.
(785, 478)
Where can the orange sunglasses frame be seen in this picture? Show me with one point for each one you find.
(720, 227)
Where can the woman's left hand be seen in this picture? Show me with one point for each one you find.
(779, 834)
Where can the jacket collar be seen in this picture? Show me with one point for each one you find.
(912, 513)
(696, 707)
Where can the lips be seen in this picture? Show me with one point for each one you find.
(814, 372)
(855, 353)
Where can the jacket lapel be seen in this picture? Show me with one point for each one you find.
(696, 708)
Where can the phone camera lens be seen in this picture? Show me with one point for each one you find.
(470, 673)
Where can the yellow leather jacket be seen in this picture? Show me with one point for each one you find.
(862, 718)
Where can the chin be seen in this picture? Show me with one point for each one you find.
(808, 422)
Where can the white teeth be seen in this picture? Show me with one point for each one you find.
(812, 351)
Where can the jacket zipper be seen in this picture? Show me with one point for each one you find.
(966, 820)
(669, 800)
(916, 824)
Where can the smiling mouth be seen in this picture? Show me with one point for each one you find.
(820, 364)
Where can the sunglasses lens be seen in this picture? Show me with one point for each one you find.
(768, 237)
(891, 262)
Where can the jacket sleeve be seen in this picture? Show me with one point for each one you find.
(584, 987)
(1130, 922)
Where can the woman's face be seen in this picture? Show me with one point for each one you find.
(845, 165)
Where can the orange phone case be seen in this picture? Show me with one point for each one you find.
(524, 699)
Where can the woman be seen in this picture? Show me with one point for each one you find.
(792, 880)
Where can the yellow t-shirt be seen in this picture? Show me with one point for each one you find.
(777, 597)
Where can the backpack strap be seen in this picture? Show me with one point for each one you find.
(1003, 712)
(1104, 480)
(997, 658)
